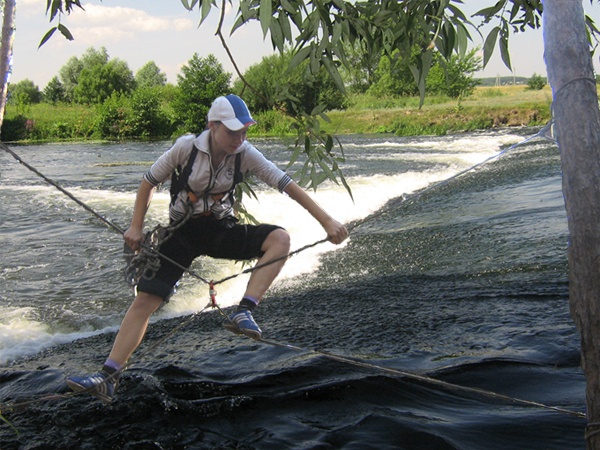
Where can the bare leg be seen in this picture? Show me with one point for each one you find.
(134, 326)
(276, 245)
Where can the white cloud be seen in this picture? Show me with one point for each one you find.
(121, 20)
(31, 8)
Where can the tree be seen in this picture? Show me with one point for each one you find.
(200, 82)
(8, 32)
(69, 76)
(577, 122)
(98, 81)
(536, 82)
(93, 78)
(54, 92)
(289, 89)
(25, 92)
(454, 77)
(150, 76)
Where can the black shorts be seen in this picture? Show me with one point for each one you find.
(204, 236)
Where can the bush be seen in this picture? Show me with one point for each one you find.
(111, 117)
(14, 128)
(272, 122)
(536, 82)
(138, 116)
(146, 117)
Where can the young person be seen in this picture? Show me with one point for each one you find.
(212, 230)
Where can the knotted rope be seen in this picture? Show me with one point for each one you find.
(146, 262)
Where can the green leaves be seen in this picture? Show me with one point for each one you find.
(512, 16)
(490, 44)
(189, 5)
(265, 15)
(56, 8)
(317, 153)
(317, 30)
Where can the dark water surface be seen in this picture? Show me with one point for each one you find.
(466, 284)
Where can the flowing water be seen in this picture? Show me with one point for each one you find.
(465, 282)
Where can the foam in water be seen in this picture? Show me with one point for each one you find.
(21, 333)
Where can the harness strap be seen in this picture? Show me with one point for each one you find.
(238, 177)
(179, 179)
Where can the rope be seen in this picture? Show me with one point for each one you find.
(590, 434)
(426, 379)
(573, 81)
(146, 262)
(61, 189)
(16, 407)
(546, 133)
(145, 267)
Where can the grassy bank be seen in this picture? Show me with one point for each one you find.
(488, 107)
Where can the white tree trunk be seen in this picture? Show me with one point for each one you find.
(577, 123)
(6, 43)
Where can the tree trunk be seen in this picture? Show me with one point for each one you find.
(577, 124)
(8, 32)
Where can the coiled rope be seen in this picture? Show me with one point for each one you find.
(144, 266)
(146, 262)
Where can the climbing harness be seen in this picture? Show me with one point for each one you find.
(179, 178)
(144, 264)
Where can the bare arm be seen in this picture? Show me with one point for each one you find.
(336, 232)
(135, 234)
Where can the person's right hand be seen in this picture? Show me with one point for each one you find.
(134, 237)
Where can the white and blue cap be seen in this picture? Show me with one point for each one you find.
(231, 111)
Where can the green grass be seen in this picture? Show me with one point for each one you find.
(488, 107)
(47, 122)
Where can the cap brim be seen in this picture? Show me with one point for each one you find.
(236, 124)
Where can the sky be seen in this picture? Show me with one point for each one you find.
(163, 31)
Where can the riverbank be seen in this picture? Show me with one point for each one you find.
(488, 108)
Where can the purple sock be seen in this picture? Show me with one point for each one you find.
(111, 366)
(248, 302)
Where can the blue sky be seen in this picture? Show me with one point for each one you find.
(163, 31)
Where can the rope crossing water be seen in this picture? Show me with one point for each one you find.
(150, 248)
(546, 133)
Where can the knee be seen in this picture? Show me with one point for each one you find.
(278, 239)
(145, 303)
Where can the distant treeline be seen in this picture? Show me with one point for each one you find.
(98, 97)
(502, 81)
